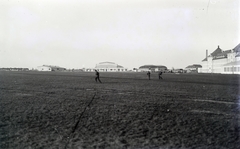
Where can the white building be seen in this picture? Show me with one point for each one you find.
(232, 68)
(193, 68)
(152, 68)
(50, 68)
(220, 61)
(107, 67)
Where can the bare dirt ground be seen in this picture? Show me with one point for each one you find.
(71, 110)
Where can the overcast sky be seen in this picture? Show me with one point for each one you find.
(131, 33)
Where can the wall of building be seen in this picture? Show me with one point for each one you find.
(231, 57)
(204, 68)
(143, 69)
(210, 64)
(231, 69)
(44, 68)
(106, 69)
(111, 69)
(218, 64)
(58, 69)
(106, 66)
(238, 58)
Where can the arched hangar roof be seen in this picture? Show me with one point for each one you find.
(194, 66)
(108, 65)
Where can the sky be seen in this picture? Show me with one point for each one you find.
(81, 33)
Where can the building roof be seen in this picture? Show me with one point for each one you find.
(233, 63)
(194, 66)
(152, 66)
(205, 59)
(108, 65)
(237, 48)
(220, 54)
(51, 66)
(216, 52)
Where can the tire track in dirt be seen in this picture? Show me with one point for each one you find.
(79, 119)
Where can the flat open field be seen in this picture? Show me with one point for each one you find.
(71, 110)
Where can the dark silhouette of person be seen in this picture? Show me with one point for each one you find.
(148, 73)
(97, 76)
(160, 75)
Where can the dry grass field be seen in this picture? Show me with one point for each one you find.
(71, 110)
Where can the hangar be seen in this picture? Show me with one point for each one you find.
(153, 68)
(107, 67)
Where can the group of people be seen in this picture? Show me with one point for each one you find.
(97, 79)
(159, 75)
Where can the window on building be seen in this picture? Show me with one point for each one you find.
(235, 69)
(225, 69)
(238, 69)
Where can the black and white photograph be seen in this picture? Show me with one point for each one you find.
(120, 74)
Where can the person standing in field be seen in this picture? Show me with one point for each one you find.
(97, 76)
(160, 75)
(148, 73)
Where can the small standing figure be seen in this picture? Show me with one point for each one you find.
(160, 75)
(97, 76)
(148, 73)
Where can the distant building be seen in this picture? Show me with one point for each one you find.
(50, 68)
(178, 70)
(193, 68)
(76, 70)
(14, 69)
(107, 67)
(152, 68)
(220, 61)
